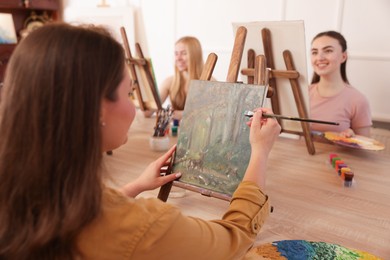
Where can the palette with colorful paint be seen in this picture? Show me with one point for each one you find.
(302, 249)
(357, 141)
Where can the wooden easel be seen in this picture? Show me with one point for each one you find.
(145, 67)
(290, 74)
(259, 75)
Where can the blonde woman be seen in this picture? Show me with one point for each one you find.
(188, 66)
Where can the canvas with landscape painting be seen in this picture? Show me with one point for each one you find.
(213, 147)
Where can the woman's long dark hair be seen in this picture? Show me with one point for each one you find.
(50, 138)
(340, 38)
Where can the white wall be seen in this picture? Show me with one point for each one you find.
(364, 23)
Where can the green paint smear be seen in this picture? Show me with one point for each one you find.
(304, 250)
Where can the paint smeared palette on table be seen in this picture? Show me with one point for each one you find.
(302, 250)
(357, 141)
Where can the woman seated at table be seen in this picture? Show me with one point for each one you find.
(332, 98)
(64, 103)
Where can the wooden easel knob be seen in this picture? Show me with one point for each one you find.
(270, 92)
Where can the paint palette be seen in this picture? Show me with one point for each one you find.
(302, 249)
(357, 141)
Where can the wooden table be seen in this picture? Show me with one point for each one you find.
(309, 199)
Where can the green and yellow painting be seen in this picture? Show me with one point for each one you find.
(213, 147)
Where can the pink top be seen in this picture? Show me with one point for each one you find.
(349, 108)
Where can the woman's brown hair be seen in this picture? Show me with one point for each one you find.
(195, 66)
(50, 138)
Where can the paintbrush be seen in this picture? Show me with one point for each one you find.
(250, 114)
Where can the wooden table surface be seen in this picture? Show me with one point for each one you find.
(309, 199)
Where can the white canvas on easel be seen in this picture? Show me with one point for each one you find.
(113, 18)
(7, 29)
(286, 35)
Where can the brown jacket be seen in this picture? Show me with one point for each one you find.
(150, 229)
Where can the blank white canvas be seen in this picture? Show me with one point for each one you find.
(7, 29)
(113, 18)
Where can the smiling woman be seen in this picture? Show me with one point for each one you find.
(188, 66)
(332, 98)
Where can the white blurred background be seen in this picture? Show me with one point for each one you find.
(157, 24)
